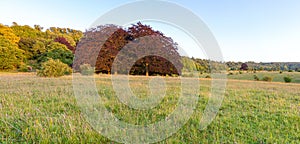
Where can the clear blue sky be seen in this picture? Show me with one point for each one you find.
(246, 30)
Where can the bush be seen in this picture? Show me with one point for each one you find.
(174, 75)
(188, 74)
(267, 78)
(280, 72)
(24, 68)
(290, 71)
(256, 77)
(208, 76)
(240, 72)
(231, 73)
(86, 69)
(54, 68)
(287, 79)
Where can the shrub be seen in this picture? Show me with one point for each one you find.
(208, 76)
(187, 75)
(174, 75)
(267, 78)
(256, 77)
(24, 68)
(290, 71)
(231, 73)
(280, 72)
(54, 68)
(86, 69)
(287, 79)
(240, 72)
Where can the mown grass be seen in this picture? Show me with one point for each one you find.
(44, 110)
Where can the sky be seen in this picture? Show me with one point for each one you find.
(246, 30)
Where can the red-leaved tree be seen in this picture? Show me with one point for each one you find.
(63, 41)
(138, 50)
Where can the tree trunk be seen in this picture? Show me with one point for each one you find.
(147, 69)
(115, 71)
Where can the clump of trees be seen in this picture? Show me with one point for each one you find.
(25, 48)
(137, 50)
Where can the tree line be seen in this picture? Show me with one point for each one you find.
(25, 48)
(204, 65)
(136, 50)
(264, 66)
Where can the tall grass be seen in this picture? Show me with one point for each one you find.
(44, 110)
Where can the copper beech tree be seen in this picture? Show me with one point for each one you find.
(137, 50)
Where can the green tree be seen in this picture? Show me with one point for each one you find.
(56, 45)
(27, 32)
(73, 36)
(11, 57)
(202, 64)
(38, 27)
(65, 56)
(32, 47)
(189, 65)
(7, 33)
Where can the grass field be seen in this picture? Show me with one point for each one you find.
(44, 110)
(277, 77)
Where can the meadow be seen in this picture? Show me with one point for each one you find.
(276, 76)
(44, 110)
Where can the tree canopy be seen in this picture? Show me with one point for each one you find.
(140, 51)
(31, 46)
